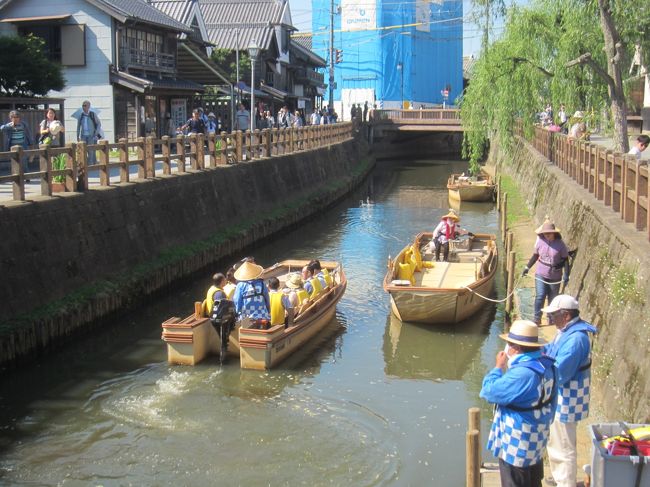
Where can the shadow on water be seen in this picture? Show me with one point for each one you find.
(434, 352)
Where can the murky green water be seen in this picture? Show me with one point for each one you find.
(373, 402)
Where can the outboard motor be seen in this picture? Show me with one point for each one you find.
(223, 318)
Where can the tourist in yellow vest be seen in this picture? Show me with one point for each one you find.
(281, 308)
(231, 284)
(297, 294)
(312, 284)
(215, 293)
(318, 272)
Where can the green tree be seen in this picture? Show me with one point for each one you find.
(554, 52)
(227, 61)
(24, 68)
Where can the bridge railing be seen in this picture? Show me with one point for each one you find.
(448, 115)
(619, 180)
(166, 155)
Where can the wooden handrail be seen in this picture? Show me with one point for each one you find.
(201, 152)
(618, 180)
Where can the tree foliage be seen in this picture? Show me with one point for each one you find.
(25, 70)
(530, 65)
(227, 61)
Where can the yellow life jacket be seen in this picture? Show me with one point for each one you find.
(229, 289)
(316, 287)
(328, 278)
(277, 308)
(302, 294)
(415, 254)
(209, 302)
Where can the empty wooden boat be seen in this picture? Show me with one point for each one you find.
(424, 291)
(471, 188)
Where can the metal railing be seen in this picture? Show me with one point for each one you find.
(168, 155)
(620, 181)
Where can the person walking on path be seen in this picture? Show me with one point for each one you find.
(50, 128)
(242, 119)
(571, 350)
(89, 129)
(552, 258)
(17, 132)
(523, 387)
(642, 142)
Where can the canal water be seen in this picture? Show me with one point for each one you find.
(371, 401)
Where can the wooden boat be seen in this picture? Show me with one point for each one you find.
(470, 188)
(190, 340)
(424, 291)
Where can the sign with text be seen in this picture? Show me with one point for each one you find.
(358, 15)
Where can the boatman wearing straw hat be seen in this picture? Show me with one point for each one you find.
(445, 231)
(251, 296)
(571, 349)
(552, 258)
(523, 388)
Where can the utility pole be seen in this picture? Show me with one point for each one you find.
(331, 80)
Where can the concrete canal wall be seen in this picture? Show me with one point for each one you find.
(69, 260)
(610, 276)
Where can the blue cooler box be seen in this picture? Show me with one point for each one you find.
(615, 470)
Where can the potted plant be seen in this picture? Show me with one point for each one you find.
(58, 164)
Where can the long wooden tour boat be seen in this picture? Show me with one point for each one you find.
(424, 291)
(471, 188)
(192, 339)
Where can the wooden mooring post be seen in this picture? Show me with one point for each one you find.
(512, 257)
(504, 215)
(473, 450)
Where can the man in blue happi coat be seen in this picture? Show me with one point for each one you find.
(523, 388)
(571, 349)
(251, 296)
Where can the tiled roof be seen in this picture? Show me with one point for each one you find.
(180, 10)
(141, 11)
(303, 39)
(235, 23)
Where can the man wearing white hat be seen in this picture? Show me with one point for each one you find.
(251, 296)
(523, 387)
(571, 350)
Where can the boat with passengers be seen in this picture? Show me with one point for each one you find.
(258, 345)
(425, 291)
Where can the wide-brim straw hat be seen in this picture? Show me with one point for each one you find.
(294, 281)
(578, 114)
(452, 214)
(547, 227)
(248, 271)
(525, 333)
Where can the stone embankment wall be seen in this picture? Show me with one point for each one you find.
(610, 277)
(71, 259)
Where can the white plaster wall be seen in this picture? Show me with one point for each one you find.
(89, 82)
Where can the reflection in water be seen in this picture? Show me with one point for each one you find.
(414, 351)
(360, 405)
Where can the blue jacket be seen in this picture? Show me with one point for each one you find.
(6, 130)
(520, 431)
(571, 350)
(251, 299)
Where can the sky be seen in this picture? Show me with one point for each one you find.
(301, 15)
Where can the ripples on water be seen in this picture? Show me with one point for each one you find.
(372, 401)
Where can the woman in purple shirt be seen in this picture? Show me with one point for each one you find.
(552, 257)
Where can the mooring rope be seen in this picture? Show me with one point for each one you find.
(515, 287)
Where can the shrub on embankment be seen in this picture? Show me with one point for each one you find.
(71, 259)
(610, 276)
